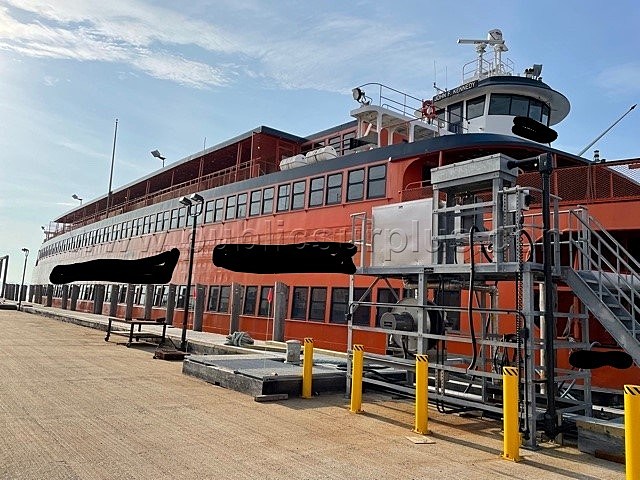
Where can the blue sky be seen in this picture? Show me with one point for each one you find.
(177, 73)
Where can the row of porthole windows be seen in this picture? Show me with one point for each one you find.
(318, 191)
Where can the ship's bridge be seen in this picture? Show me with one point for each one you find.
(488, 99)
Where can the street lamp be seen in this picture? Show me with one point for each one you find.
(197, 202)
(157, 154)
(76, 197)
(26, 254)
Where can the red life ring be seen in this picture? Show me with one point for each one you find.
(429, 110)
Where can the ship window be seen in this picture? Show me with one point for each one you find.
(334, 189)
(180, 297)
(475, 107)
(114, 235)
(355, 185)
(173, 223)
(346, 140)
(159, 220)
(139, 295)
(363, 313)
(297, 197)
(231, 207)
(339, 301)
(545, 115)
(152, 223)
(265, 305)
(267, 201)
(535, 110)
(160, 296)
(318, 303)
(376, 187)
(182, 215)
(135, 226)
(208, 211)
(225, 292)
(145, 225)
(218, 216)
(254, 206)
(299, 303)
(519, 106)
(455, 117)
(214, 296)
(499, 104)
(335, 143)
(283, 198)
(316, 192)
(241, 207)
(250, 299)
(122, 294)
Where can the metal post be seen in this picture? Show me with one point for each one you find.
(356, 379)
(307, 368)
(187, 295)
(24, 270)
(632, 430)
(422, 395)
(510, 381)
(113, 156)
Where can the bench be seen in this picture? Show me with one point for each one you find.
(132, 333)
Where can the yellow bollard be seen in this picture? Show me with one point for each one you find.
(356, 378)
(307, 368)
(632, 430)
(422, 394)
(512, 440)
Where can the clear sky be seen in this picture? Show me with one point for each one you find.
(179, 75)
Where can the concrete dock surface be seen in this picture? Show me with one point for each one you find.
(73, 406)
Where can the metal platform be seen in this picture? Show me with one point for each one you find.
(262, 374)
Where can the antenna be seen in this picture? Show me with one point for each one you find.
(605, 132)
(494, 38)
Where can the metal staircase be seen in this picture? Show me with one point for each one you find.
(605, 278)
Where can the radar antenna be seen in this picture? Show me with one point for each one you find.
(494, 38)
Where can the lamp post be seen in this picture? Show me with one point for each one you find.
(26, 254)
(157, 154)
(195, 205)
(76, 197)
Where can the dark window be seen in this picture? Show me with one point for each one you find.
(299, 303)
(334, 189)
(318, 303)
(455, 117)
(267, 201)
(316, 192)
(214, 296)
(225, 292)
(160, 295)
(499, 104)
(250, 298)
(208, 211)
(283, 198)
(182, 212)
(363, 313)
(265, 305)
(297, 197)
(355, 185)
(385, 295)
(241, 209)
(545, 115)
(231, 208)
(135, 224)
(339, 303)
(346, 144)
(535, 110)
(180, 297)
(218, 216)
(152, 223)
(475, 107)
(254, 206)
(376, 187)
(519, 106)
(122, 294)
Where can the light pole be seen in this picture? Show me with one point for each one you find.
(76, 197)
(157, 154)
(26, 254)
(197, 202)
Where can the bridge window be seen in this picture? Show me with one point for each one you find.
(297, 197)
(334, 189)
(518, 105)
(283, 198)
(316, 192)
(455, 117)
(499, 104)
(475, 107)
(376, 187)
